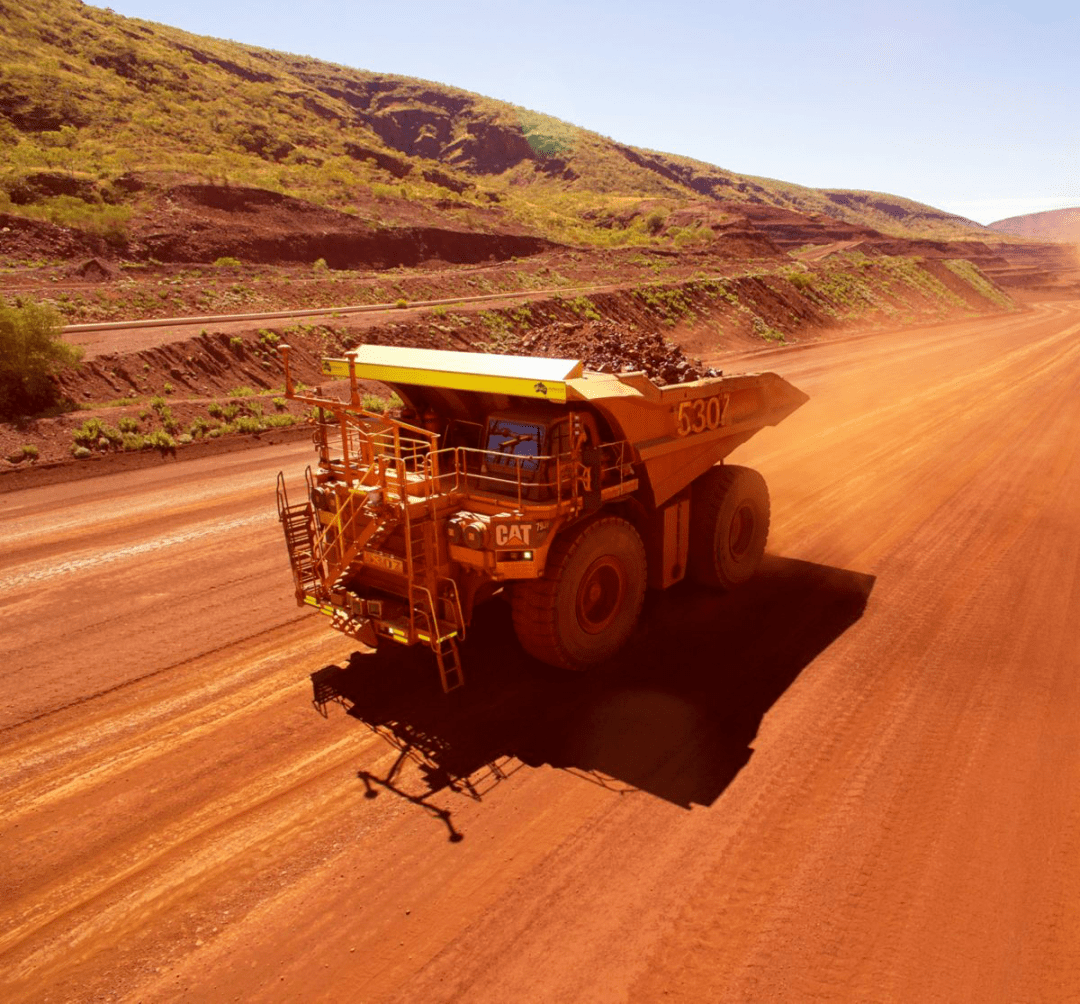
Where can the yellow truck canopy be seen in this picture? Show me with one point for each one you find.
(480, 372)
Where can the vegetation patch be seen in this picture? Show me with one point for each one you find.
(974, 277)
(32, 351)
(25, 452)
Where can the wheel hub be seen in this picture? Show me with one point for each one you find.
(741, 531)
(600, 594)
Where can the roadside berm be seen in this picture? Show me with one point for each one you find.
(673, 331)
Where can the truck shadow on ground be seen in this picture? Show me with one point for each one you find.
(674, 715)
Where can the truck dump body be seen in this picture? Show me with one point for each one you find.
(698, 423)
(415, 516)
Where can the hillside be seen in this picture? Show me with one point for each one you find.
(1062, 225)
(99, 114)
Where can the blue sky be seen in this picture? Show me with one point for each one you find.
(971, 107)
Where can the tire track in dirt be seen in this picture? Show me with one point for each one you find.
(988, 544)
(150, 856)
(192, 545)
(905, 828)
(42, 570)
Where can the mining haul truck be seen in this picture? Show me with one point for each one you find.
(569, 490)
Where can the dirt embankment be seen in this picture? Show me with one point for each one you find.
(202, 223)
(706, 316)
(225, 385)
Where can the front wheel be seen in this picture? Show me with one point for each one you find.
(729, 524)
(583, 609)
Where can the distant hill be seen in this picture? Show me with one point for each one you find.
(95, 109)
(1061, 225)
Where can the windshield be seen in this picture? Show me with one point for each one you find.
(510, 438)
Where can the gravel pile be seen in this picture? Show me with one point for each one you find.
(605, 348)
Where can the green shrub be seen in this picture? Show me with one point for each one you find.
(26, 452)
(241, 392)
(378, 403)
(654, 222)
(319, 265)
(216, 410)
(132, 442)
(31, 352)
(227, 262)
(279, 421)
(401, 303)
(80, 452)
(94, 432)
(88, 433)
(280, 403)
(157, 403)
(161, 440)
(247, 423)
(199, 427)
(236, 342)
(165, 414)
(584, 307)
(128, 424)
(496, 324)
(169, 388)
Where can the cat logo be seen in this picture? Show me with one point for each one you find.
(541, 388)
(509, 534)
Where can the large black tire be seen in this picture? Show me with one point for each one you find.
(583, 609)
(729, 525)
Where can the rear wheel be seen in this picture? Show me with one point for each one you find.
(729, 524)
(583, 609)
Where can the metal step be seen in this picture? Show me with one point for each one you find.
(451, 674)
(296, 523)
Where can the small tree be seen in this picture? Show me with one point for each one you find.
(31, 351)
(654, 222)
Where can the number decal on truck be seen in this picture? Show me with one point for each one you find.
(700, 414)
(379, 559)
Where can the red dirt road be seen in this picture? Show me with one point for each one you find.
(855, 780)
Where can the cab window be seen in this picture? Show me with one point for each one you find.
(514, 443)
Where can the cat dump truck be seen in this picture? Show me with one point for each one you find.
(569, 490)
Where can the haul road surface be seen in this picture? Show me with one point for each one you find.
(856, 780)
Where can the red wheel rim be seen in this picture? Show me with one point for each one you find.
(600, 594)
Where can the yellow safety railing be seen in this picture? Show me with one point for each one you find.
(407, 467)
